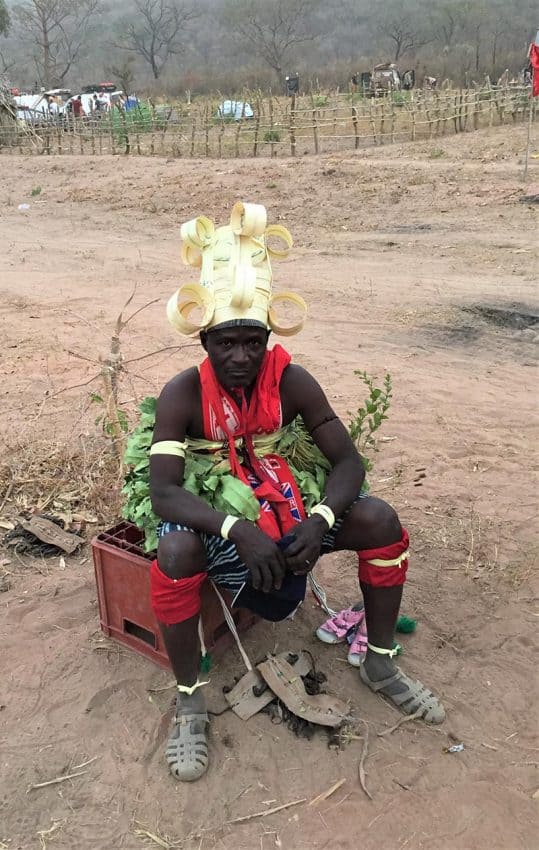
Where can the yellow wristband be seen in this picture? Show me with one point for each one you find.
(228, 522)
(325, 512)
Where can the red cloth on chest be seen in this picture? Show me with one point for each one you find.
(271, 478)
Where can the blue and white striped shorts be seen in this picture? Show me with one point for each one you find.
(225, 567)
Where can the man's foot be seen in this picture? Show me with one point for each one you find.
(187, 748)
(382, 676)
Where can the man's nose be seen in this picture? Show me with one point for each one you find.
(239, 354)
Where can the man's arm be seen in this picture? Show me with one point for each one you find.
(302, 395)
(328, 432)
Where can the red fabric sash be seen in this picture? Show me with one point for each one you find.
(174, 600)
(384, 576)
(270, 477)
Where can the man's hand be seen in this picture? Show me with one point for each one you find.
(303, 553)
(260, 554)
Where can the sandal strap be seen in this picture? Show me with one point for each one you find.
(383, 683)
(184, 719)
(343, 621)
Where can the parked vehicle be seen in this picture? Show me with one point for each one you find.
(383, 79)
(235, 109)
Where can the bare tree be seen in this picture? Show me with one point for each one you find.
(158, 32)
(269, 29)
(405, 34)
(4, 18)
(123, 72)
(57, 31)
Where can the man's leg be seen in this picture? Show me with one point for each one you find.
(373, 530)
(176, 580)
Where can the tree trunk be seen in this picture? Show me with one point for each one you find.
(477, 48)
(47, 58)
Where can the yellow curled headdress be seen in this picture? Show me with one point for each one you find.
(235, 273)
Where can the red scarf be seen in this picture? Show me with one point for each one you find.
(270, 477)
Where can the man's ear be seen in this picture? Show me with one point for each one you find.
(203, 336)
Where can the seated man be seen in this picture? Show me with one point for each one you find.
(235, 404)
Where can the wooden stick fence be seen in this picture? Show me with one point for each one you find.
(280, 127)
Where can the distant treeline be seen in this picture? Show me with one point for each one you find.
(171, 47)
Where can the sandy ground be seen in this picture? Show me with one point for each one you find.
(393, 247)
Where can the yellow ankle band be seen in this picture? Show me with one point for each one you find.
(381, 651)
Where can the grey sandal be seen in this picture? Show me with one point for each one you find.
(415, 698)
(187, 748)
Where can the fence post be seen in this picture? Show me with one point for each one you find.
(477, 106)
(193, 131)
(270, 109)
(315, 128)
(382, 120)
(238, 131)
(355, 123)
(412, 113)
(293, 125)
(220, 139)
(206, 131)
(257, 126)
(127, 143)
(373, 122)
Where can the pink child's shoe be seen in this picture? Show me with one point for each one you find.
(337, 628)
(358, 644)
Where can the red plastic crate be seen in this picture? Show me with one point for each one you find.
(122, 574)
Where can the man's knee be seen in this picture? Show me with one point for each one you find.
(379, 523)
(180, 554)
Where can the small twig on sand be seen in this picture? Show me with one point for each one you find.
(415, 716)
(267, 811)
(8, 494)
(56, 781)
(328, 793)
(163, 688)
(361, 766)
(155, 838)
(84, 763)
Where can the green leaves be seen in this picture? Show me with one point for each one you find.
(209, 476)
(368, 419)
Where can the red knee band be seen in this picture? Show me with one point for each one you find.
(174, 600)
(380, 574)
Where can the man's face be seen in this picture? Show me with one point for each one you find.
(236, 354)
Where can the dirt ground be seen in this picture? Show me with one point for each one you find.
(396, 249)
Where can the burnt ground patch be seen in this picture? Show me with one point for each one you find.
(485, 326)
(516, 316)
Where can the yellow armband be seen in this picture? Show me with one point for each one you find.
(169, 447)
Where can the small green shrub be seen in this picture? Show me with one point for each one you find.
(320, 100)
(436, 153)
(368, 418)
(36, 191)
(272, 136)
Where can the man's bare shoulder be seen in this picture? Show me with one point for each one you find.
(178, 407)
(184, 382)
(296, 378)
(300, 394)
